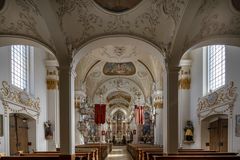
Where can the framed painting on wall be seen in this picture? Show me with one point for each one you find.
(1, 125)
(237, 129)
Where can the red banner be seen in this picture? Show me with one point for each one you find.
(139, 115)
(100, 113)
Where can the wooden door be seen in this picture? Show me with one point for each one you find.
(214, 136)
(219, 135)
(223, 135)
(18, 135)
(13, 138)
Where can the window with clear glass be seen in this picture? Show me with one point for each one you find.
(216, 67)
(19, 66)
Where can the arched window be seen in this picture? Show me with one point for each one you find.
(20, 66)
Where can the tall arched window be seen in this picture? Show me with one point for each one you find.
(20, 66)
(216, 66)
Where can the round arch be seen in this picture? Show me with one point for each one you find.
(14, 40)
(144, 45)
(124, 87)
(224, 40)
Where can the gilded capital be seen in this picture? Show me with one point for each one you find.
(52, 84)
(184, 83)
(158, 105)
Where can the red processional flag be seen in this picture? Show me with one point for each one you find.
(136, 111)
(100, 113)
(139, 115)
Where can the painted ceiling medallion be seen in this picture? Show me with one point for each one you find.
(2, 3)
(236, 5)
(117, 6)
(125, 69)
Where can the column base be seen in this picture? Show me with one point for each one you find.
(67, 157)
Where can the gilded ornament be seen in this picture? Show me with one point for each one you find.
(158, 105)
(52, 84)
(184, 83)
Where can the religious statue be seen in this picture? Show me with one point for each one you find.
(48, 127)
(188, 132)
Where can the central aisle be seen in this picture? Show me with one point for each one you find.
(119, 153)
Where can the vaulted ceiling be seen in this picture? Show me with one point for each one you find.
(172, 25)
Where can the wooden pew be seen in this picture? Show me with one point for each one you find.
(146, 152)
(88, 154)
(135, 149)
(30, 158)
(150, 154)
(143, 152)
(196, 157)
(103, 149)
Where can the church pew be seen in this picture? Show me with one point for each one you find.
(88, 154)
(135, 149)
(151, 154)
(30, 158)
(142, 152)
(103, 149)
(196, 157)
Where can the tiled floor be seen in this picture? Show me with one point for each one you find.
(119, 153)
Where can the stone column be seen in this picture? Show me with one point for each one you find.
(170, 110)
(53, 102)
(67, 115)
(184, 81)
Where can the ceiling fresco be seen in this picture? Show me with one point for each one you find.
(124, 69)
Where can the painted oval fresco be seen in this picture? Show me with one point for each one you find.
(125, 69)
(117, 6)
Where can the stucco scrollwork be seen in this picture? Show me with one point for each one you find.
(21, 100)
(147, 24)
(218, 102)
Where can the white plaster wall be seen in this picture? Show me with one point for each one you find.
(37, 89)
(5, 68)
(40, 90)
(52, 117)
(183, 114)
(2, 141)
(233, 74)
(195, 93)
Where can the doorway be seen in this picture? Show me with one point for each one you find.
(218, 135)
(22, 133)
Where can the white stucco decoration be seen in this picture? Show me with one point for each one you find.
(219, 102)
(17, 101)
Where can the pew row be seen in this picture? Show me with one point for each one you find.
(103, 149)
(196, 157)
(147, 152)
